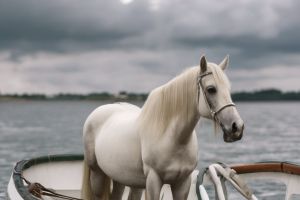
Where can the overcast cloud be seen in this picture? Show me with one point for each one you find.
(93, 46)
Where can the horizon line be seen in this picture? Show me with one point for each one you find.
(129, 92)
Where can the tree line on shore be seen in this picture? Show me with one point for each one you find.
(260, 95)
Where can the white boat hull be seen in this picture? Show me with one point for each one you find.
(65, 177)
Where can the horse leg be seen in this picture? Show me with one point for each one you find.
(153, 185)
(135, 194)
(100, 184)
(117, 191)
(180, 189)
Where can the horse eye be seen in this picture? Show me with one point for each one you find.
(211, 89)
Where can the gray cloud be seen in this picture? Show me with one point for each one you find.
(81, 46)
(68, 25)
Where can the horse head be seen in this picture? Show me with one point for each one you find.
(215, 100)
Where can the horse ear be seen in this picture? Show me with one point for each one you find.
(203, 64)
(224, 63)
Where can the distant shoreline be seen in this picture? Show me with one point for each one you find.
(260, 95)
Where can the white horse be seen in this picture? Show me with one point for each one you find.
(157, 144)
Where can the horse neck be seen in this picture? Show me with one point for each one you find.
(173, 108)
(183, 128)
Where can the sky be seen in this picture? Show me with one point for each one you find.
(75, 46)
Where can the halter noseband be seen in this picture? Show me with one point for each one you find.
(213, 113)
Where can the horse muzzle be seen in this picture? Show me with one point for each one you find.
(234, 133)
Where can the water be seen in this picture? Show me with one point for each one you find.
(29, 129)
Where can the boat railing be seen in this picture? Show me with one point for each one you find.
(238, 175)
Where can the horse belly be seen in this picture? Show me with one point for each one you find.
(118, 150)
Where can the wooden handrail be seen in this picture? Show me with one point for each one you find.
(282, 167)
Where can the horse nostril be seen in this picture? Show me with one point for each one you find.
(234, 127)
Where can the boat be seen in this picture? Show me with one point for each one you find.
(60, 176)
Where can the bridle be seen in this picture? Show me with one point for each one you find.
(214, 113)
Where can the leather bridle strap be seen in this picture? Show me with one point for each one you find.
(222, 108)
(214, 113)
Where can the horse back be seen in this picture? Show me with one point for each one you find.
(101, 114)
(95, 122)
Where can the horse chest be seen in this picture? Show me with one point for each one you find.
(173, 162)
(176, 168)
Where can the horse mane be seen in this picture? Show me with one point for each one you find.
(177, 98)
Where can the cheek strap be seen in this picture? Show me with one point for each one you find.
(213, 113)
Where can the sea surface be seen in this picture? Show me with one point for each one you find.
(32, 128)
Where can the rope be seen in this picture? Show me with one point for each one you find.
(38, 190)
